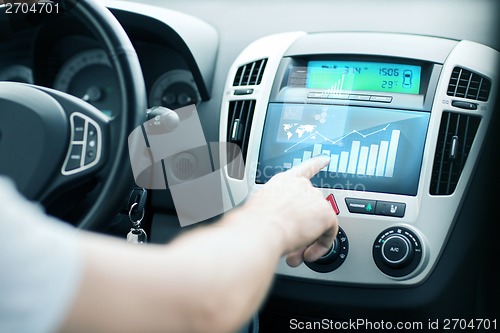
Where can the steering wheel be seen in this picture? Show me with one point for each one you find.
(52, 143)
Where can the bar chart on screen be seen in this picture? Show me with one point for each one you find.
(369, 154)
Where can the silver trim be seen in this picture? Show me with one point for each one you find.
(83, 143)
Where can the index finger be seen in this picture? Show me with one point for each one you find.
(310, 167)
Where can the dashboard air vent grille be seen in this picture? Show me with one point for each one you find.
(465, 84)
(250, 74)
(238, 131)
(456, 135)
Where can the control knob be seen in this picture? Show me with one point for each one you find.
(397, 251)
(334, 257)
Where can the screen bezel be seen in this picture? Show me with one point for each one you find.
(430, 73)
(343, 181)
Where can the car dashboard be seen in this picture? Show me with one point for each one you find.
(401, 97)
(70, 60)
(412, 97)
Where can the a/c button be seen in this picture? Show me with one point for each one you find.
(396, 250)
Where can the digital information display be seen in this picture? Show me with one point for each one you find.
(341, 76)
(376, 150)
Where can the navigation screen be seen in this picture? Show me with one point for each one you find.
(376, 150)
(340, 76)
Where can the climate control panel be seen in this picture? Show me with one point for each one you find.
(397, 251)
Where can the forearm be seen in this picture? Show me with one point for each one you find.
(237, 258)
(196, 283)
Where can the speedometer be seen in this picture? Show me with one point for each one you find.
(174, 90)
(89, 76)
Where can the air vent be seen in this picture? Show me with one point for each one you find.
(250, 74)
(456, 134)
(465, 84)
(238, 131)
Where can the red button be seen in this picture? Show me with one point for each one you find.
(331, 200)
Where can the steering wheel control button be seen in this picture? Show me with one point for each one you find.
(396, 209)
(361, 206)
(397, 252)
(85, 147)
(75, 157)
(91, 132)
(333, 203)
(92, 144)
(335, 257)
(90, 155)
(78, 127)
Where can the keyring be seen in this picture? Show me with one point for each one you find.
(138, 222)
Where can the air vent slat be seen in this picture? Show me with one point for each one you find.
(246, 127)
(238, 132)
(465, 147)
(251, 77)
(456, 136)
(250, 74)
(466, 84)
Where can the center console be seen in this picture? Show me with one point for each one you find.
(402, 118)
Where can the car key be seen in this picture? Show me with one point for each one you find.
(136, 235)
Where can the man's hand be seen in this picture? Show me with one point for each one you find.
(303, 216)
(194, 283)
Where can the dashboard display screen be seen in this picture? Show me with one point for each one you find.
(340, 76)
(371, 149)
